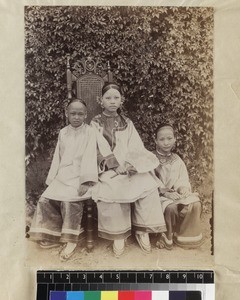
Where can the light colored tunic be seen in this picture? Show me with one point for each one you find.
(74, 162)
(173, 174)
(59, 210)
(182, 216)
(116, 217)
(118, 134)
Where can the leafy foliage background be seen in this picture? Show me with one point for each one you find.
(162, 57)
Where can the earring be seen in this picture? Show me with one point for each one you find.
(174, 146)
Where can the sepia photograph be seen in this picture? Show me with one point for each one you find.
(119, 137)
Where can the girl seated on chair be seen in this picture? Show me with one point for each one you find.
(73, 170)
(127, 178)
(181, 207)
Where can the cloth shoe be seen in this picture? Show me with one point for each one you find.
(48, 245)
(67, 251)
(164, 242)
(118, 247)
(144, 242)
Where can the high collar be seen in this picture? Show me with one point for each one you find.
(164, 155)
(110, 116)
(76, 128)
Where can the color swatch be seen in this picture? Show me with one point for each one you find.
(125, 285)
(126, 295)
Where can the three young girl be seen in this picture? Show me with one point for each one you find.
(108, 162)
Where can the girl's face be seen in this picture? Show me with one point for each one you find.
(76, 114)
(111, 101)
(165, 140)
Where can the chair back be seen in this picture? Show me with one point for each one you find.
(85, 79)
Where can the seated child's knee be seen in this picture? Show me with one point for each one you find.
(171, 209)
(197, 206)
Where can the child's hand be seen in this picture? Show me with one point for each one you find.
(183, 191)
(130, 169)
(172, 195)
(121, 170)
(83, 188)
(162, 191)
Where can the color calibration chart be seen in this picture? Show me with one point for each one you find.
(125, 285)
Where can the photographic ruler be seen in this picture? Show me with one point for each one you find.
(195, 285)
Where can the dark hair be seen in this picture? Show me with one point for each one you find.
(160, 126)
(73, 100)
(110, 85)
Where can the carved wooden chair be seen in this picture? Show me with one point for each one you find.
(85, 79)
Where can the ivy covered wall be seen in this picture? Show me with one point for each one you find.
(162, 57)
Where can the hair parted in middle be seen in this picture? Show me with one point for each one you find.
(73, 100)
(111, 85)
(107, 86)
(162, 125)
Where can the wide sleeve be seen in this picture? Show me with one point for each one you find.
(55, 163)
(138, 156)
(105, 158)
(183, 178)
(88, 168)
(157, 172)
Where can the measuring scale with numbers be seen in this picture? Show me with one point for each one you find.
(53, 282)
